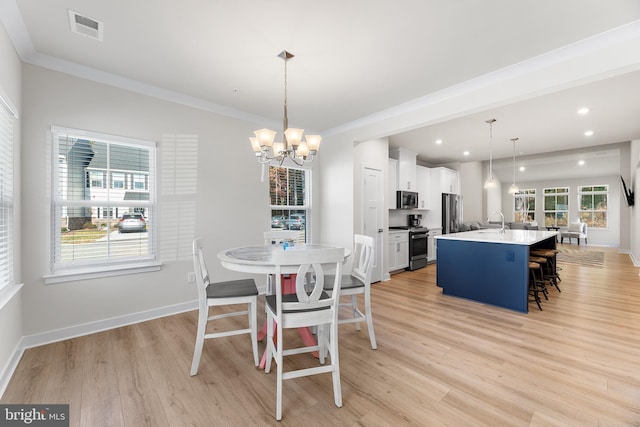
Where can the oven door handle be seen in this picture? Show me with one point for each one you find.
(419, 236)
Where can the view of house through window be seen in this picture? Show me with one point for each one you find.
(556, 207)
(524, 206)
(593, 205)
(103, 200)
(290, 200)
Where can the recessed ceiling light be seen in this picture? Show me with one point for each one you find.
(522, 168)
(583, 111)
(588, 133)
(466, 153)
(438, 141)
(581, 162)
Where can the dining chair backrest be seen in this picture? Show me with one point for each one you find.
(200, 270)
(363, 250)
(308, 262)
(274, 237)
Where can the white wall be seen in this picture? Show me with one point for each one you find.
(10, 300)
(606, 237)
(228, 205)
(634, 162)
(471, 189)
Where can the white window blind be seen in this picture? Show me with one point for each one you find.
(6, 196)
(97, 179)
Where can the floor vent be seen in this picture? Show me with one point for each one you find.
(81, 24)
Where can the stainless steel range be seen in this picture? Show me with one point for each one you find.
(418, 237)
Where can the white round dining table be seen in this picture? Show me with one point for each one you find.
(259, 258)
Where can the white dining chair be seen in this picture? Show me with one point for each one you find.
(310, 306)
(243, 291)
(276, 237)
(358, 283)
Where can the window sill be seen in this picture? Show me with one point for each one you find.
(7, 293)
(96, 273)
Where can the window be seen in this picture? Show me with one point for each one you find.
(556, 207)
(290, 196)
(117, 180)
(593, 205)
(524, 206)
(96, 177)
(92, 229)
(6, 195)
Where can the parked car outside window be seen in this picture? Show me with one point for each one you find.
(132, 222)
(296, 222)
(277, 221)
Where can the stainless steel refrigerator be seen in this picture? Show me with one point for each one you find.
(451, 213)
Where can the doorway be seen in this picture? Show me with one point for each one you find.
(372, 215)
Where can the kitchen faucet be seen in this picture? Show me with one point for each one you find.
(501, 216)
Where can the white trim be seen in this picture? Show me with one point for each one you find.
(57, 335)
(8, 292)
(102, 137)
(99, 272)
(10, 367)
(6, 103)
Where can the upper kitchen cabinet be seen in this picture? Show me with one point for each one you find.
(406, 168)
(423, 183)
(392, 183)
(444, 180)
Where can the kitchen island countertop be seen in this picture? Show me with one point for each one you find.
(493, 235)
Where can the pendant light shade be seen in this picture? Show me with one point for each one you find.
(491, 181)
(514, 188)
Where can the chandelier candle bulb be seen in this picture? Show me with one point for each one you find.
(313, 141)
(265, 137)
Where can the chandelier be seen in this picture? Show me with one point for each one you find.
(292, 146)
(491, 181)
(514, 188)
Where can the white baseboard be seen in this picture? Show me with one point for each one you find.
(85, 329)
(11, 366)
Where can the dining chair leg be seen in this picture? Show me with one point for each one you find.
(335, 360)
(268, 353)
(279, 371)
(253, 324)
(197, 351)
(372, 335)
(354, 308)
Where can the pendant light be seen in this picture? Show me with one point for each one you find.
(514, 188)
(491, 181)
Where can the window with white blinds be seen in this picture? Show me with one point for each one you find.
(6, 196)
(103, 201)
(290, 200)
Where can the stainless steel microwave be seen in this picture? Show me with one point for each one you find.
(406, 200)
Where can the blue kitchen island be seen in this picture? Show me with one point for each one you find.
(489, 266)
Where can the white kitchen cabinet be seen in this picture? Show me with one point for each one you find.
(392, 183)
(423, 183)
(431, 244)
(406, 168)
(398, 253)
(444, 180)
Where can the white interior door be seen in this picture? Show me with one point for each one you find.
(372, 215)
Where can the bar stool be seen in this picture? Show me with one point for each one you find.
(542, 281)
(534, 284)
(551, 271)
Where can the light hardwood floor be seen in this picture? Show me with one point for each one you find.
(440, 361)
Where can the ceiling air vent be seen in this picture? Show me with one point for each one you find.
(81, 24)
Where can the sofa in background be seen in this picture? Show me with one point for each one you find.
(482, 225)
